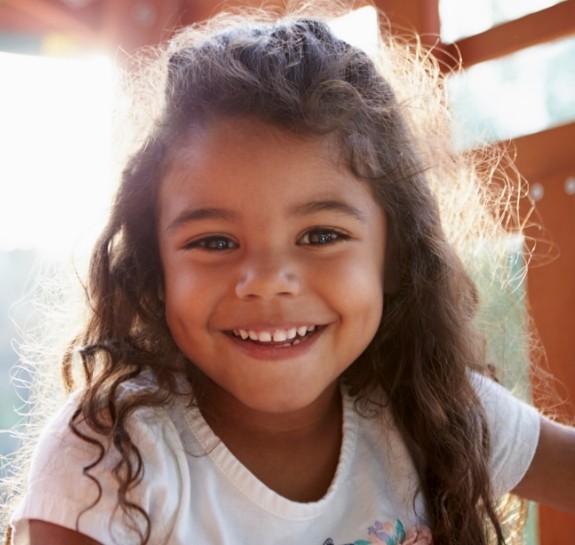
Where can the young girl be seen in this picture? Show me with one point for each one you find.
(281, 343)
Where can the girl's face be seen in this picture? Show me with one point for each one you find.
(273, 256)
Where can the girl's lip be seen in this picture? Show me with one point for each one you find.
(276, 350)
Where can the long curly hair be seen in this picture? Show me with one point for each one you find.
(386, 110)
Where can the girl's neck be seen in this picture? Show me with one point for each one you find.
(295, 454)
(225, 413)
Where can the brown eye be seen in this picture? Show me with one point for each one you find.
(320, 237)
(213, 244)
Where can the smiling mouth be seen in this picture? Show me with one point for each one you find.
(277, 337)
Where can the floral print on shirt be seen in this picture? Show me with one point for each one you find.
(388, 533)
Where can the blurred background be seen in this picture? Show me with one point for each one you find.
(57, 87)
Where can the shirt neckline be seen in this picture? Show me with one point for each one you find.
(255, 490)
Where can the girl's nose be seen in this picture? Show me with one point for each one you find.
(267, 277)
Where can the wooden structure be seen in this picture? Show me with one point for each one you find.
(547, 158)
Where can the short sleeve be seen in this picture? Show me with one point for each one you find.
(514, 432)
(59, 492)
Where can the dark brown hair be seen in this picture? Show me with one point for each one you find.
(296, 74)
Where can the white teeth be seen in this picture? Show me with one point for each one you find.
(278, 336)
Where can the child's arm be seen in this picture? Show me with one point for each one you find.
(45, 533)
(550, 478)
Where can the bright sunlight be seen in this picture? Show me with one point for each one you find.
(55, 136)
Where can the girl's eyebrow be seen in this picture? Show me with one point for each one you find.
(189, 215)
(195, 214)
(332, 205)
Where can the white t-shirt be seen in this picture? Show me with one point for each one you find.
(196, 491)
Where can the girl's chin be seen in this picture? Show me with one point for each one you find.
(284, 399)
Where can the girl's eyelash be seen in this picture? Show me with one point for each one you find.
(212, 243)
(318, 236)
(321, 236)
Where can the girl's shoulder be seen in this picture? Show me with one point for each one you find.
(74, 465)
(498, 400)
(148, 425)
(514, 427)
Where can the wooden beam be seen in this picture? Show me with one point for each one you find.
(127, 25)
(419, 16)
(546, 152)
(549, 24)
(54, 17)
(195, 11)
(20, 22)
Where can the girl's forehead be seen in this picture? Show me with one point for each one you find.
(252, 134)
(248, 160)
